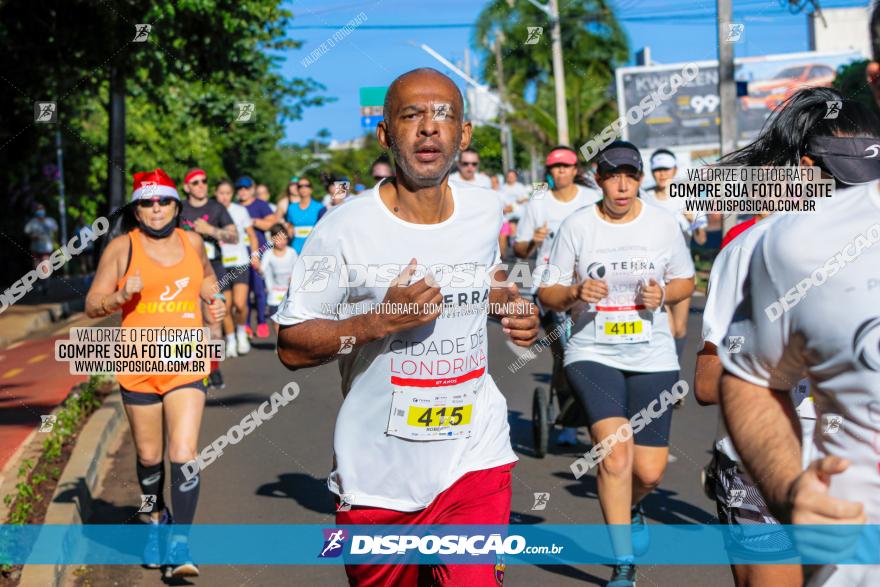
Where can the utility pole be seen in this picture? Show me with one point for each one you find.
(533, 163)
(726, 91)
(62, 200)
(506, 147)
(559, 76)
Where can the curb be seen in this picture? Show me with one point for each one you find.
(72, 500)
(26, 320)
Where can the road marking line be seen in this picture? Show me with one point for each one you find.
(37, 358)
(12, 372)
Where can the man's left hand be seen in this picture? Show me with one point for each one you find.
(519, 318)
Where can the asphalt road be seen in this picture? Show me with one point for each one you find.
(277, 474)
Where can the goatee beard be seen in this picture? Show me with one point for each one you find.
(411, 178)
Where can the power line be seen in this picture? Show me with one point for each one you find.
(661, 16)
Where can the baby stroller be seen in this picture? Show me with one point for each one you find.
(558, 405)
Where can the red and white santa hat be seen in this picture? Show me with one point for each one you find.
(153, 184)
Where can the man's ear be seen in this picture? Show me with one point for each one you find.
(807, 161)
(382, 134)
(467, 132)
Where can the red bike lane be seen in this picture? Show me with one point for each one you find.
(32, 384)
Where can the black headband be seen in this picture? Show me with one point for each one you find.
(851, 160)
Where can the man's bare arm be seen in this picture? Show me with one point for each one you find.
(318, 341)
(266, 222)
(227, 234)
(523, 249)
(707, 376)
(766, 433)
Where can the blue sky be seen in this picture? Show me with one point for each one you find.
(676, 30)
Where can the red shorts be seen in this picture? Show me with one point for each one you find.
(479, 497)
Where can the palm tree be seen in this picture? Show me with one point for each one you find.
(593, 44)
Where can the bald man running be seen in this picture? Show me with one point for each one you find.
(422, 436)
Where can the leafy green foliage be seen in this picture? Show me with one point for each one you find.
(202, 57)
(76, 408)
(487, 140)
(593, 45)
(851, 81)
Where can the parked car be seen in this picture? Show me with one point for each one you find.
(768, 94)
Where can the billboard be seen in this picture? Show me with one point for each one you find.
(691, 116)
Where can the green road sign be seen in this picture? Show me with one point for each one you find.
(373, 96)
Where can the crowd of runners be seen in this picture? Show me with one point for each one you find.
(621, 294)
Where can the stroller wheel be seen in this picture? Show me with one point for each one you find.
(540, 421)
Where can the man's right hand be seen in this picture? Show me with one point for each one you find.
(133, 285)
(810, 504)
(540, 234)
(591, 290)
(809, 499)
(407, 306)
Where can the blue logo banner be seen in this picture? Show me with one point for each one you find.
(474, 544)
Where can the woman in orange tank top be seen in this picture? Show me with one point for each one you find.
(159, 276)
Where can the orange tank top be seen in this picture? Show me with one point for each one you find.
(170, 297)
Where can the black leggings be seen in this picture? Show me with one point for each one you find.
(606, 392)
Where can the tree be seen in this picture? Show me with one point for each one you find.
(182, 85)
(850, 80)
(594, 44)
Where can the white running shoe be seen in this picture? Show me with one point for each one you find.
(244, 345)
(231, 347)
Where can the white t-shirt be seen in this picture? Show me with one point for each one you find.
(552, 211)
(724, 294)
(375, 465)
(480, 180)
(512, 195)
(676, 207)
(625, 256)
(237, 255)
(830, 333)
(277, 271)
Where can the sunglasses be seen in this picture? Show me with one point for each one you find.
(470, 163)
(303, 185)
(144, 203)
(198, 181)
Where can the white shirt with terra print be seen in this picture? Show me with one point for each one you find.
(625, 256)
(390, 450)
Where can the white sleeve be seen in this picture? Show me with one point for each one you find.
(269, 273)
(525, 229)
(684, 224)
(318, 281)
(680, 263)
(770, 354)
(563, 256)
(724, 292)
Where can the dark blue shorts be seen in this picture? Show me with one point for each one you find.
(606, 392)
